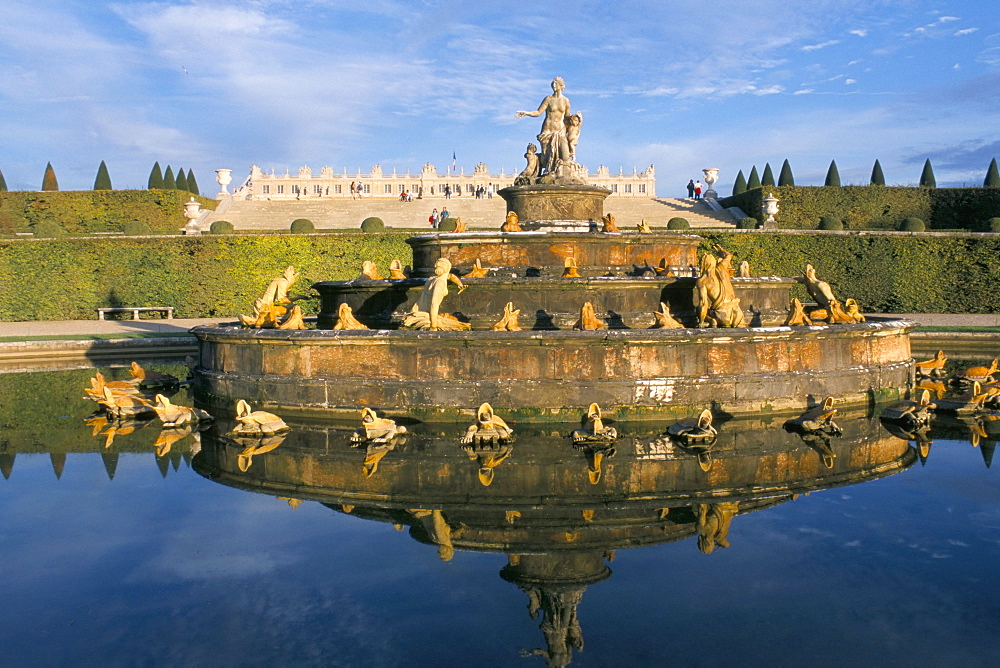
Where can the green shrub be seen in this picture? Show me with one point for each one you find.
(155, 177)
(993, 225)
(678, 224)
(740, 186)
(767, 178)
(181, 182)
(373, 225)
(832, 175)
(103, 179)
(447, 224)
(49, 181)
(747, 223)
(753, 181)
(785, 178)
(927, 179)
(49, 229)
(302, 226)
(221, 227)
(3, 183)
(135, 228)
(878, 178)
(831, 223)
(912, 225)
(992, 179)
(169, 182)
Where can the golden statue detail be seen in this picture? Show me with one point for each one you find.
(509, 320)
(396, 270)
(934, 367)
(256, 423)
(588, 319)
(272, 309)
(346, 319)
(369, 270)
(488, 427)
(426, 313)
(663, 319)
(609, 223)
(718, 305)
(375, 429)
(712, 522)
(477, 271)
(570, 269)
(643, 227)
(797, 314)
(172, 415)
(511, 224)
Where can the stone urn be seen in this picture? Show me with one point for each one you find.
(711, 176)
(192, 211)
(224, 177)
(770, 207)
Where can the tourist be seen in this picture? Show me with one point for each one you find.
(697, 189)
(447, 191)
(489, 191)
(445, 213)
(360, 189)
(690, 187)
(433, 218)
(352, 190)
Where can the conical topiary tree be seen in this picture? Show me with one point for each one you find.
(49, 180)
(181, 182)
(785, 177)
(741, 184)
(103, 180)
(155, 177)
(192, 183)
(169, 182)
(992, 179)
(878, 179)
(754, 181)
(832, 175)
(767, 179)
(927, 179)
(3, 184)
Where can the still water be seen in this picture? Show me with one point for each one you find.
(150, 548)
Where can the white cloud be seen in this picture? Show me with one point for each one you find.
(849, 82)
(803, 91)
(859, 33)
(821, 45)
(966, 31)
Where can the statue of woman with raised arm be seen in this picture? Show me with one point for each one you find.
(553, 139)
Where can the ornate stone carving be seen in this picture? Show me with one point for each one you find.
(477, 271)
(643, 227)
(910, 413)
(529, 174)
(797, 314)
(609, 223)
(588, 319)
(346, 319)
(718, 305)
(426, 313)
(691, 431)
(816, 419)
(258, 423)
(272, 308)
(593, 428)
(511, 224)
(744, 271)
(375, 429)
(663, 319)
(488, 427)
(396, 270)
(558, 137)
(509, 320)
(934, 367)
(172, 415)
(124, 405)
(148, 378)
(369, 270)
(570, 269)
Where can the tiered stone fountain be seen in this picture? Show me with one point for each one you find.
(549, 370)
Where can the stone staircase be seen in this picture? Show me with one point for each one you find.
(476, 213)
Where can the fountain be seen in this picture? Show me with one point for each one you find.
(734, 352)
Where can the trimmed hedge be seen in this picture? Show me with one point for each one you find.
(678, 224)
(886, 273)
(200, 276)
(747, 223)
(86, 211)
(831, 223)
(912, 225)
(876, 208)
(447, 224)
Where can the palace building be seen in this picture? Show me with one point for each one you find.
(428, 183)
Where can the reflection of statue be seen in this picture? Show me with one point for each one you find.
(487, 455)
(553, 136)
(426, 313)
(712, 523)
(718, 305)
(438, 531)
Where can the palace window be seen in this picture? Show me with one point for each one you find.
(642, 188)
(336, 189)
(318, 189)
(402, 188)
(628, 188)
(614, 188)
(281, 190)
(368, 189)
(387, 189)
(266, 190)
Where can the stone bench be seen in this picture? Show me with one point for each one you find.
(134, 310)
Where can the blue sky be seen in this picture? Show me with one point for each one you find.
(680, 85)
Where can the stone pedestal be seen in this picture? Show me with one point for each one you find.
(557, 208)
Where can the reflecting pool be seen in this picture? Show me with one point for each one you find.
(127, 544)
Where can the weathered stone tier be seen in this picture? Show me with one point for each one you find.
(633, 374)
(570, 208)
(596, 254)
(550, 303)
